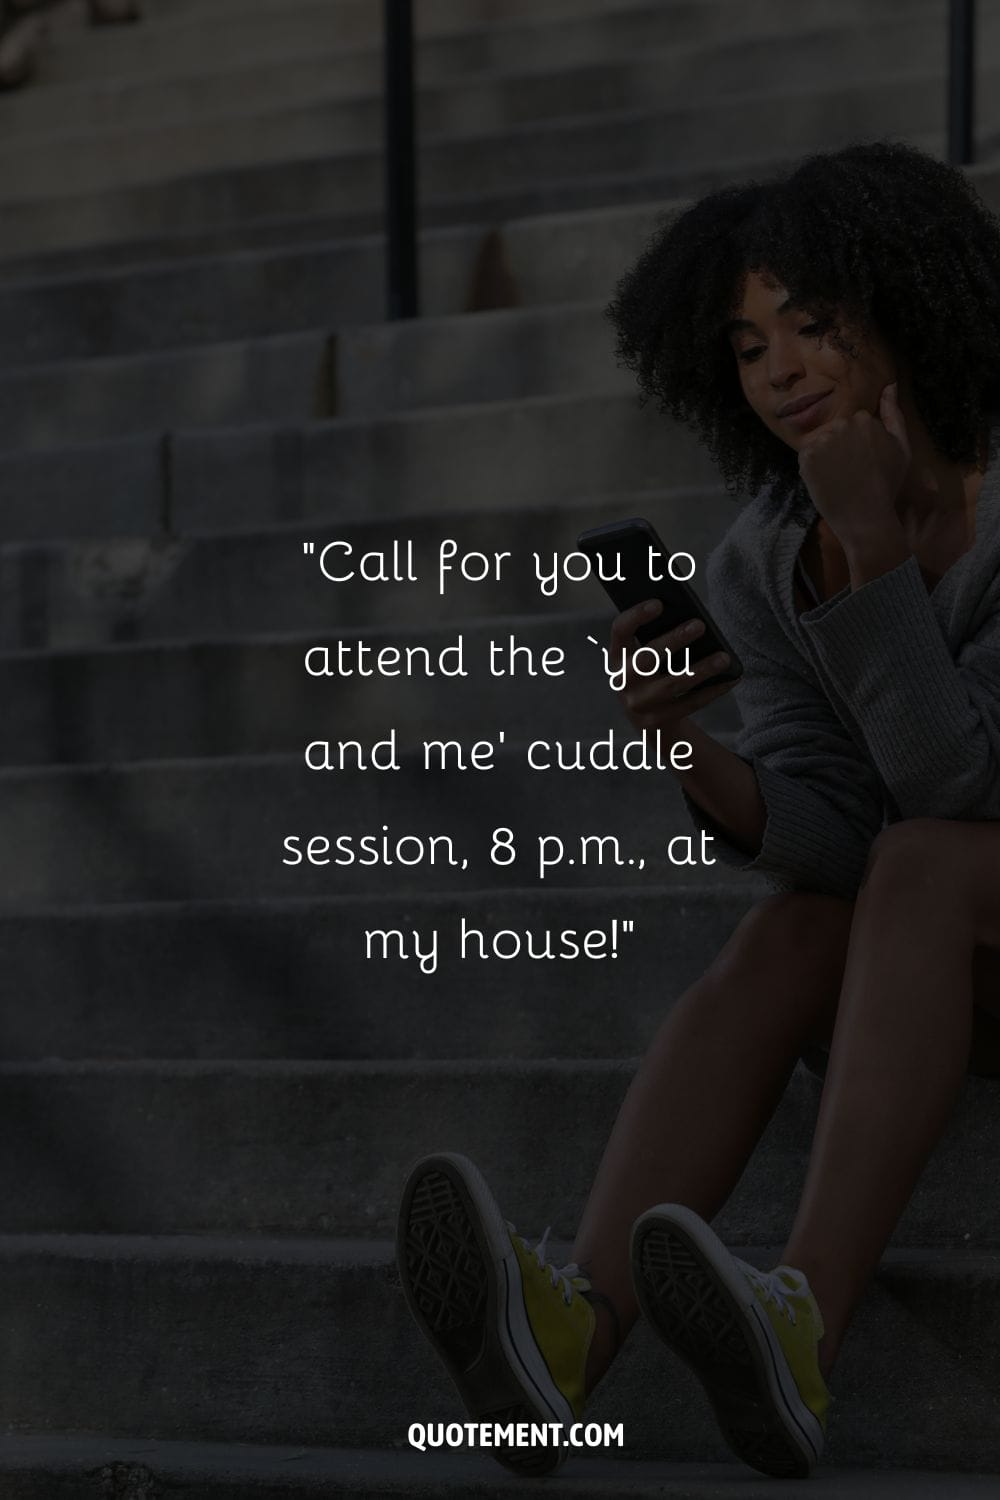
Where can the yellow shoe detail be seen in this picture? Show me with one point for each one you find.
(796, 1320)
(562, 1320)
(512, 1330)
(751, 1337)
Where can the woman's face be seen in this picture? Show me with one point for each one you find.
(785, 360)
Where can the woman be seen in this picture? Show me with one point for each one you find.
(834, 338)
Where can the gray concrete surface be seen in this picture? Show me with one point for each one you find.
(43, 1468)
(700, 76)
(252, 979)
(207, 1090)
(549, 258)
(536, 451)
(264, 1336)
(292, 377)
(346, 82)
(487, 36)
(280, 1146)
(227, 584)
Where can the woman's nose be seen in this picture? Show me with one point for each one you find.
(784, 361)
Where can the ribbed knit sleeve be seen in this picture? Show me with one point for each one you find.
(823, 799)
(931, 721)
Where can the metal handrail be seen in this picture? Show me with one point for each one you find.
(402, 271)
(961, 81)
(400, 163)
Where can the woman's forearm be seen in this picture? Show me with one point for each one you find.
(724, 787)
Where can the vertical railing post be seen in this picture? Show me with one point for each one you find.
(961, 81)
(400, 161)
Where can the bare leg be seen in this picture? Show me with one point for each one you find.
(900, 1049)
(708, 1086)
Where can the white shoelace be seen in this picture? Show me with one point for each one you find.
(774, 1290)
(569, 1277)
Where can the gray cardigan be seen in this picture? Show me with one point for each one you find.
(873, 706)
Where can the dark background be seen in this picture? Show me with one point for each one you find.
(209, 1098)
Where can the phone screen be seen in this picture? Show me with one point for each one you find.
(633, 551)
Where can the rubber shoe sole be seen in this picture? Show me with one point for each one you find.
(701, 1305)
(462, 1281)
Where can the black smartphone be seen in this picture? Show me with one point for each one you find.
(624, 548)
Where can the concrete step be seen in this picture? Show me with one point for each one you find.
(102, 162)
(255, 697)
(549, 258)
(232, 584)
(167, 45)
(458, 95)
(292, 377)
(222, 1471)
(62, 255)
(285, 378)
(543, 450)
(253, 131)
(545, 351)
(322, 1148)
(490, 34)
(302, 288)
(252, 979)
(537, 154)
(259, 1342)
(218, 828)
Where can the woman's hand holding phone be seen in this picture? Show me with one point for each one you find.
(663, 701)
(724, 786)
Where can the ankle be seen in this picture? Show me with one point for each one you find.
(607, 1339)
(826, 1354)
(828, 1344)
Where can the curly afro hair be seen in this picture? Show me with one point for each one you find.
(876, 236)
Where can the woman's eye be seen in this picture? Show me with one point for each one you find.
(810, 330)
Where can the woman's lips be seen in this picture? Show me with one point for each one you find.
(810, 415)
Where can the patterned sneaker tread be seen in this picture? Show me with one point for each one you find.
(445, 1266)
(527, 1462)
(453, 1281)
(697, 1317)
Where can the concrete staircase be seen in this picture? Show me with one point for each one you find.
(209, 1098)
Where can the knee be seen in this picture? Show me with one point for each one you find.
(782, 966)
(911, 856)
(791, 935)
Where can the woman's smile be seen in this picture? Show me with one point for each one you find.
(807, 412)
(793, 375)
